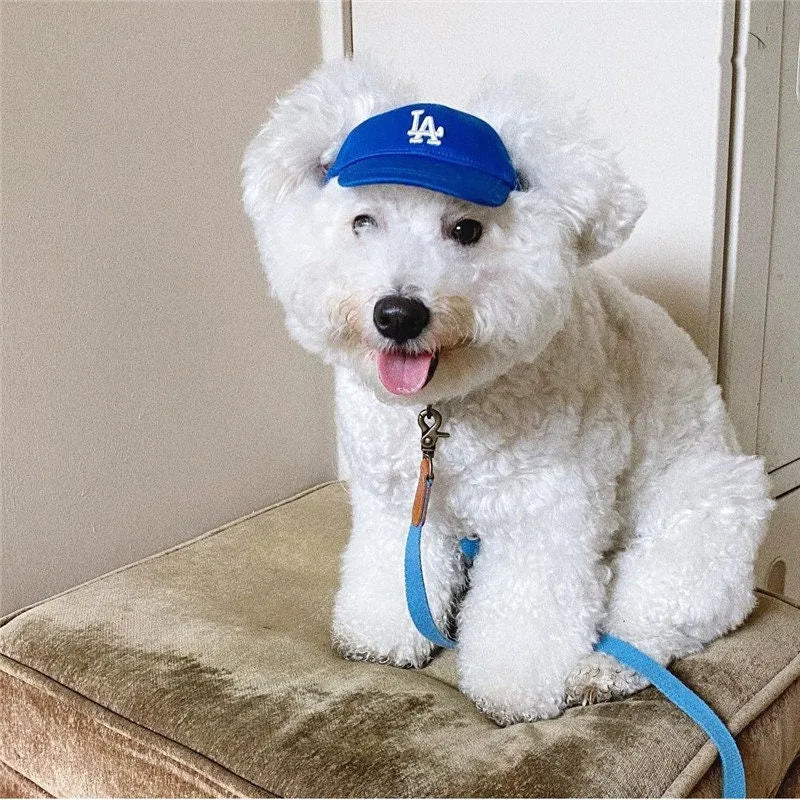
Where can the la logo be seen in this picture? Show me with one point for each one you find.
(425, 130)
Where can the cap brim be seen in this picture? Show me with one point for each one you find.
(456, 180)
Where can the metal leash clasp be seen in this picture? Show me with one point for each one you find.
(430, 420)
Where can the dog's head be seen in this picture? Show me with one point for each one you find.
(426, 295)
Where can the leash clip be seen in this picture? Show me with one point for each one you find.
(430, 431)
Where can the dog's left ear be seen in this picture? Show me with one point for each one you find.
(555, 153)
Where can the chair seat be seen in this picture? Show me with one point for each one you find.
(208, 670)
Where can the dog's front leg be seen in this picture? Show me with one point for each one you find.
(370, 618)
(535, 599)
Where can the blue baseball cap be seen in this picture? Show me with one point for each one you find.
(432, 146)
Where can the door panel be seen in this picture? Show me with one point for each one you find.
(778, 565)
(779, 415)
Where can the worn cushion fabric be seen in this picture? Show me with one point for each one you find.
(12, 784)
(208, 670)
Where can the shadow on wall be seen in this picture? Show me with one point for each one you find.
(149, 389)
(685, 297)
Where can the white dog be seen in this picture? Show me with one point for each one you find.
(589, 451)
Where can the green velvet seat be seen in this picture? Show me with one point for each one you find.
(208, 671)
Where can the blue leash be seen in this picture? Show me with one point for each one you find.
(678, 693)
(733, 778)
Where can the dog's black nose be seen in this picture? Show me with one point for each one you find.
(400, 318)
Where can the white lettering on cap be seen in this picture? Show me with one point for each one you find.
(426, 130)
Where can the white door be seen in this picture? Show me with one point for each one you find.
(779, 415)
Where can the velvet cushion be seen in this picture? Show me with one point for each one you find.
(208, 670)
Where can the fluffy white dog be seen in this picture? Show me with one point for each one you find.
(590, 450)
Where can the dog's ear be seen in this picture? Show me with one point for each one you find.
(552, 146)
(306, 129)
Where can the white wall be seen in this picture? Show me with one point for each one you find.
(656, 77)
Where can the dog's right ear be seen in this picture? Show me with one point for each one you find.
(556, 154)
(308, 125)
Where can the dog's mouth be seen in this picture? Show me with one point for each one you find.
(405, 373)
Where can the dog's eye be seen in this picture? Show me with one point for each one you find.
(466, 231)
(362, 222)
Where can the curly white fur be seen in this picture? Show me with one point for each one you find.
(590, 449)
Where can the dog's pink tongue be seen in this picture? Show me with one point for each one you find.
(403, 373)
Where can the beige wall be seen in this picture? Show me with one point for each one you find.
(149, 391)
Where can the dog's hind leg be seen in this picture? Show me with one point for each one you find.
(686, 576)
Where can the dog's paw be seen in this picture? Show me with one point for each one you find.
(413, 652)
(598, 677)
(510, 711)
(510, 698)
